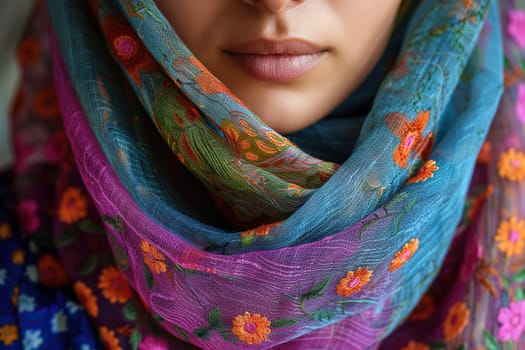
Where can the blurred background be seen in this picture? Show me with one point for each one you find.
(13, 16)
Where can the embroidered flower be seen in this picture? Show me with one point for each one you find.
(516, 26)
(32, 273)
(109, 339)
(114, 287)
(18, 257)
(86, 298)
(413, 345)
(153, 343)
(353, 282)
(456, 321)
(511, 236)
(424, 309)
(511, 165)
(5, 231)
(402, 256)
(51, 271)
(251, 328)
(512, 321)
(73, 206)
(8, 334)
(29, 50)
(520, 103)
(409, 134)
(426, 172)
(26, 303)
(153, 258)
(45, 103)
(26, 212)
(32, 339)
(263, 230)
(59, 322)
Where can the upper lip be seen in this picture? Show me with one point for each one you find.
(275, 47)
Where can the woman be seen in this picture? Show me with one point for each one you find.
(225, 234)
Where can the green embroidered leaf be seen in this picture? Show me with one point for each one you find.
(519, 277)
(89, 226)
(183, 333)
(117, 223)
(506, 282)
(203, 332)
(130, 311)
(490, 342)
(438, 346)
(148, 276)
(284, 322)
(66, 238)
(214, 318)
(520, 294)
(322, 315)
(247, 240)
(317, 291)
(462, 347)
(134, 339)
(89, 266)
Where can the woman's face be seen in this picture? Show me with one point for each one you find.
(290, 61)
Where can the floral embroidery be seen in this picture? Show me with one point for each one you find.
(353, 282)
(52, 272)
(511, 165)
(5, 231)
(33, 339)
(73, 206)
(26, 303)
(413, 345)
(45, 103)
(402, 256)
(18, 257)
(409, 134)
(59, 322)
(424, 309)
(251, 328)
(153, 258)
(29, 51)
(86, 298)
(114, 287)
(153, 343)
(516, 27)
(263, 230)
(511, 236)
(426, 172)
(520, 103)
(8, 334)
(109, 339)
(27, 216)
(512, 321)
(456, 321)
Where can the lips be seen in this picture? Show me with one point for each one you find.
(276, 60)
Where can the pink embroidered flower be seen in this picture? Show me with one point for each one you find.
(516, 26)
(27, 215)
(152, 343)
(520, 103)
(512, 321)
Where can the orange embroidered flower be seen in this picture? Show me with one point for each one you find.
(8, 334)
(402, 256)
(114, 287)
(45, 103)
(424, 309)
(413, 345)
(426, 172)
(511, 165)
(86, 298)
(353, 282)
(29, 50)
(409, 134)
(51, 272)
(18, 257)
(263, 230)
(5, 231)
(457, 320)
(73, 206)
(153, 258)
(109, 339)
(251, 328)
(511, 236)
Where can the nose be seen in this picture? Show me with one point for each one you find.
(274, 6)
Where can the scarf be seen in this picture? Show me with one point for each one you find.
(226, 235)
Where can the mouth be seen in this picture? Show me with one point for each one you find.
(276, 60)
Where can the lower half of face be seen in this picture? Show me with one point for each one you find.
(290, 61)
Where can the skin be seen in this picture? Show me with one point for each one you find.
(354, 34)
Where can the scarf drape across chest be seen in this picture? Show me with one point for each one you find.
(327, 255)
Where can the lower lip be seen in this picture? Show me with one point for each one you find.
(276, 68)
